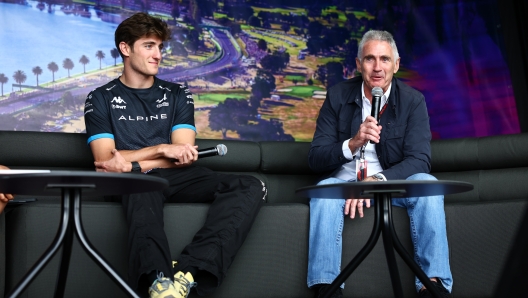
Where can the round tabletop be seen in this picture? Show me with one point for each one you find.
(92, 183)
(397, 188)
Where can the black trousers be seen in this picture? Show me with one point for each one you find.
(235, 202)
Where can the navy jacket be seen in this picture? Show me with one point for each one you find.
(404, 147)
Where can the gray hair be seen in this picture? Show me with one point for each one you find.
(381, 36)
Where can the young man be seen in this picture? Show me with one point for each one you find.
(401, 150)
(139, 123)
(4, 197)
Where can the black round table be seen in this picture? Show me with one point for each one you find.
(70, 185)
(383, 192)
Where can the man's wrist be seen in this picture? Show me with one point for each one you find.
(379, 177)
(135, 167)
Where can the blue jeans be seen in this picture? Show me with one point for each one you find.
(428, 234)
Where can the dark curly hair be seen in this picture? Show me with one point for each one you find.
(138, 26)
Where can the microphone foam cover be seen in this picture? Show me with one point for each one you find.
(222, 149)
(377, 91)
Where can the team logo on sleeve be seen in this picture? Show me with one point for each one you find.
(87, 108)
(118, 103)
(162, 102)
(189, 96)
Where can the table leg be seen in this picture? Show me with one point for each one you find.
(92, 252)
(383, 213)
(385, 200)
(68, 195)
(361, 255)
(50, 251)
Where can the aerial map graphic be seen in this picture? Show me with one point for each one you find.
(258, 70)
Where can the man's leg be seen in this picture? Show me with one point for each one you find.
(428, 234)
(147, 243)
(235, 202)
(325, 238)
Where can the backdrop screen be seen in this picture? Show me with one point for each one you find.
(258, 69)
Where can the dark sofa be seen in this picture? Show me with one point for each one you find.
(481, 223)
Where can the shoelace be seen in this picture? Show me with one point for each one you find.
(159, 278)
(185, 285)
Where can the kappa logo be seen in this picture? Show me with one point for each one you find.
(118, 100)
(119, 103)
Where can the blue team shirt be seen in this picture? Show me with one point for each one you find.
(138, 118)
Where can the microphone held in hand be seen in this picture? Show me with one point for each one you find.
(220, 149)
(377, 93)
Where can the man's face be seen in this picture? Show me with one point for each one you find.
(377, 66)
(145, 56)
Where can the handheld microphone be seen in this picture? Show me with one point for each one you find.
(377, 93)
(220, 149)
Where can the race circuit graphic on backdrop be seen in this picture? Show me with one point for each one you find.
(258, 70)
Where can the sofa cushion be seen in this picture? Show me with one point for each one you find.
(281, 187)
(48, 150)
(285, 158)
(242, 156)
(489, 185)
(467, 154)
(480, 239)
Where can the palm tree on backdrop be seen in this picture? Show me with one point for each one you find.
(115, 54)
(68, 64)
(3, 80)
(37, 71)
(53, 67)
(20, 77)
(84, 60)
(100, 55)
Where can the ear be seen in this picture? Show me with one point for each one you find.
(125, 49)
(358, 64)
(397, 65)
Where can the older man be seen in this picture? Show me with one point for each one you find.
(398, 147)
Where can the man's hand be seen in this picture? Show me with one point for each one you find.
(117, 164)
(4, 197)
(351, 205)
(181, 154)
(369, 130)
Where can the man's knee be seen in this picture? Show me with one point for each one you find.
(256, 186)
(421, 176)
(326, 205)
